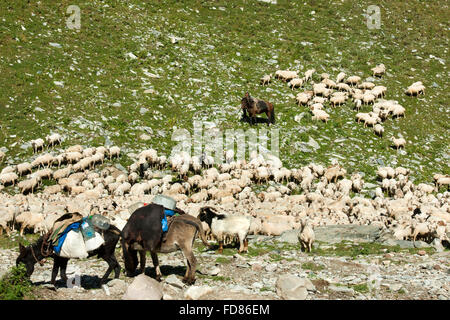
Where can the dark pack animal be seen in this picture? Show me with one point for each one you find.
(256, 106)
(143, 233)
(38, 251)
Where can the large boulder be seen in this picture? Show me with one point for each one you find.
(196, 292)
(143, 288)
(290, 287)
(337, 233)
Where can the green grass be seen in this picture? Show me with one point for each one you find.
(204, 75)
(312, 266)
(350, 249)
(15, 285)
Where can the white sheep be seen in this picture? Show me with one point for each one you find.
(353, 80)
(378, 70)
(378, 129)
(114, 152)
(415, 89)
(308, 74)
(23, 168)
(307, 235)
(266, 79)
(53, 139)
(302, 98)
(37, 144)
(296, 82)
(341, 76)
(320, 115)
(286, 75)
(222, 225)
(398, 142)
(8, 178)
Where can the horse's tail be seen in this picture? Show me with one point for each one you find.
(197, 224)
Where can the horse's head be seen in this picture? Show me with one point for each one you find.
(245, 101)
(26, 257)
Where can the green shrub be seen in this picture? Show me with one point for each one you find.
(15, 285)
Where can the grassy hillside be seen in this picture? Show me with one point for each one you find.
(198, 58)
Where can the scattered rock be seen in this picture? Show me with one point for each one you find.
(143, 288)
(341, 289)
(117, 286)
(290, 287)
(196, 292)
(289, 236)
(272, 267)
(174, 281)
(337, 233)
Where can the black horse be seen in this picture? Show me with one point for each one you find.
(256, 106)
(37, 252)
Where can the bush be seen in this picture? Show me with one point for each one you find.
(15, 285)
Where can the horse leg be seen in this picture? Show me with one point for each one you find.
(142, 261)
(191, 263)
(156, 265)
(55, 270)
(63, 268)
(112, 264)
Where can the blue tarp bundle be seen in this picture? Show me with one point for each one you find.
(167, 212)
(62, 237)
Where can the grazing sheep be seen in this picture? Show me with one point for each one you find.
(2, 156)
(296, 82)
(378, 129)
(443, 181)
(398, 111)
(398, 142)
(29, 219)
(337, 100)
(366, 85)
(330, 84)
(37, 145)
(29, 185)
(368, 98)
(302, 98)
(23, 168)
(8, 178)
(73, 156)
(306, 236)
(222, 225)
(266, 79)
(320, 115)
(286, 75)
(353, 80)
(415, 89)
(378, 70)
(308, 74)
(114, 152)
(341, 76)
(333, 173)
(53, 139)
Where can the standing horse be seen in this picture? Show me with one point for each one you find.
(143, 233)
(37, 252)
(256, 106)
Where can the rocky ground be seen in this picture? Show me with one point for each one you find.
(356, 268)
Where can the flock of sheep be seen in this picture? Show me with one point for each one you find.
(296, 198)
(78, 180)
(338, 92)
